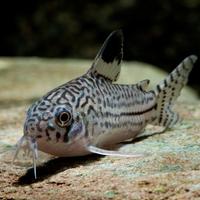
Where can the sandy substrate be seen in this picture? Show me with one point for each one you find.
(170, 171)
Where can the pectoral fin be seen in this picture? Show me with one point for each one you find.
(94, 149)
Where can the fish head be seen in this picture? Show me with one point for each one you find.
(55, 127)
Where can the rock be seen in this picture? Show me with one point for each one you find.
(170, 171)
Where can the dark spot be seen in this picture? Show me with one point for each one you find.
(66, 137)
(171, 77)
(51, 128)
(31, 120)
(42, 108)
(164, 92)
(97, 92)
(43, 103)
(99, 100)
(35, 108)
(160, 119)
(158, 88)
(101, 124)
(78, 118)
(165, 83)
(106, 124)
(39, 129)
(47, 134)
(39, 136)
(58, 135)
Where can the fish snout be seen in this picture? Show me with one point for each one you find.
(32, 127)
(35, 125)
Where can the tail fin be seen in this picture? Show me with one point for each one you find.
(168, 91)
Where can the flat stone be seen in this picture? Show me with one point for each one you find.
(171, 169)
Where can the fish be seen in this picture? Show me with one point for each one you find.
(94, 114)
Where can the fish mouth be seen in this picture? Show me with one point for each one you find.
(28, 144)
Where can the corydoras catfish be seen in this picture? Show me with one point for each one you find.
(93, 114)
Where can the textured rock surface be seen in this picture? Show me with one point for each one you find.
(170, 171)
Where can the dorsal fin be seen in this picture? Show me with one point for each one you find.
(108, 60)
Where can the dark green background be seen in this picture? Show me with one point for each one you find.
(160, 32)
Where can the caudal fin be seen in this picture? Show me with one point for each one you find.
(168, 91)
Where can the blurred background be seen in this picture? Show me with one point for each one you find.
(158, 32)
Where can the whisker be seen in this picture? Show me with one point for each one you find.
(31, 143)
(18, 147)
(33, 147)
(34, 165)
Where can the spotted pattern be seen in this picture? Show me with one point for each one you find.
(108, 106)
(169, 90)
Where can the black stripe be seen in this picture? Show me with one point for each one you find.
(55, 94)
(86, 101)
(72, 88)
(109, 114)
(79, 100)
(190, 59)
(47, 134)
(51, 128)
(158, 88)
(106, 85)
(165, 122)
(165, 83)
(68, 92)
(58, 135)
(160, 119)
(138, 113)
(34, 108)
(42, 108)
(171, 77)
(87, 81)
(90, 109)
(92, 78)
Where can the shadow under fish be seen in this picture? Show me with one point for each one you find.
(55, 166)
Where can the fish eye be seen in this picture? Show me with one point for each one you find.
(64, 119)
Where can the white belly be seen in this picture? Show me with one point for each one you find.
(112, 138)
(61, 149)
